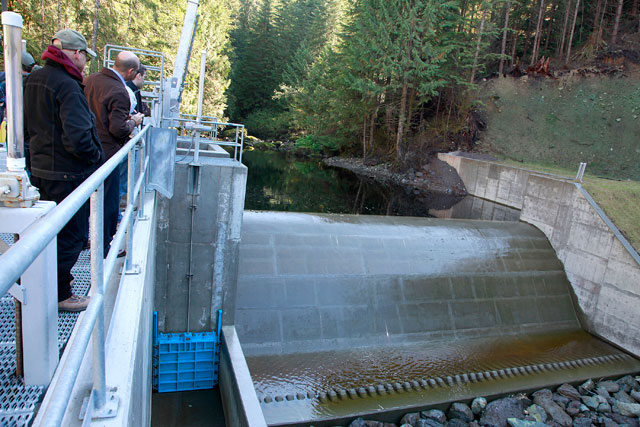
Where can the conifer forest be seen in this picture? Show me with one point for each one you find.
(381, 79)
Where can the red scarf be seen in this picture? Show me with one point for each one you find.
(56, 55)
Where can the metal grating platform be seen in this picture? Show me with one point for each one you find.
(18, 402)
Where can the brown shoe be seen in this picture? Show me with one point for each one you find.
(74, 303)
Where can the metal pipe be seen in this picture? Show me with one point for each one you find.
(184, 47)
(12, 28)
(16, 260)
(58, 404)
(96, 229)
(203, 66)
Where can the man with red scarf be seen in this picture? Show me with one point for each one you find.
(64, 145)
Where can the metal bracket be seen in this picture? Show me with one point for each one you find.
(109, 410)
(19, 293)
(142, 218)
(135, 269)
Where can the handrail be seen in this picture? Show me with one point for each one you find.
(18, 258)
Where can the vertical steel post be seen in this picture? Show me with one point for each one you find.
(131, 182)
(143, 188)
(96, 231)
(12, 28)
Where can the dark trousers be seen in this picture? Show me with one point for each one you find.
(111, 207)
(71, 237)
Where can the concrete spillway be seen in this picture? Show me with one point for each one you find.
(342, 315)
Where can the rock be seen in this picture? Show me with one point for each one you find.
(610, 386)
(358, 422)
(457, 422)
(584, 408)
(478, 405)
(573, 408)
(561, 400)
(434, 414)
(410, 418)
(603, 392)
(625, 421)
(569, 391)
(607, 422)
(460, 411)
(428, 422)
(622, 396)
(537, 412)
(498, 411)
(604, 407)
(514, 422)
(586, 387)
(636, 395)
(627, 409)
(626, 383)
(582, 422)
(544, 398)
(593, 401)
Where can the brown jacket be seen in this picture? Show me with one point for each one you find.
(109, 100)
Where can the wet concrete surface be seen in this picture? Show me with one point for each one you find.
(299, 388)
(187, 409)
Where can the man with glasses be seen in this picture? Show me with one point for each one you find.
(64, 145)
(109, 100)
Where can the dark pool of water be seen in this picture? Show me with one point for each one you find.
(280, 182)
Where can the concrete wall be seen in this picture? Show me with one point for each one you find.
(602, 267)
(239, 400)
(217, 195)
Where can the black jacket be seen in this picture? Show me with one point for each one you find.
(141, 107)
(59, 127)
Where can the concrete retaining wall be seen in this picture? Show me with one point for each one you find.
(601, 265)
(239, 400)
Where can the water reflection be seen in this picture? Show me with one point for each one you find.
(285, 183)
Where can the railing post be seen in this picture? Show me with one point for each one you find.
(131, 182)
(96, 230)
(142, 155)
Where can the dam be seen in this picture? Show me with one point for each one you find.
(322, 318)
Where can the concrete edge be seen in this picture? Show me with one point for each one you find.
(609, 223)
(239, 399)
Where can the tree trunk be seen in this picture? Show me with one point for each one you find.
(59, 16)
(536, 40)
(401, 119)
(364, 139)
(504, 37)
(616, 25)
(514, 45)
(564, 28)
(372, 127)
(601, 24)
(475, 57)
(44, 25)
(573, 27)
(634, 8)
(94, 33)
(554, 9)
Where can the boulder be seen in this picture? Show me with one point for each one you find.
(460, 411)
(573, 408)
(626, 383)
(607, 422)
(622, 396)
(428, 422)
(478, 405)
(457, 422)
(556, 413)
(586, 387)
(622, 420)
(627, 409)
(569, 391)
(434, 414)
(410, 418)
(593, 401)
(610, 386)
(498, 411)
(635, 395)
(514, 422)
(561, 400)
(537, 413)
(604, 407)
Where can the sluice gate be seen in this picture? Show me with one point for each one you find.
(343, 315)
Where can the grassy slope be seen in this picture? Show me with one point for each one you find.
(553, 125)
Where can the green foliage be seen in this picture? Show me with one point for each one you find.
(319, 144)
(267, 123)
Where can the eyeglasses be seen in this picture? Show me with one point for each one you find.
(86, 54)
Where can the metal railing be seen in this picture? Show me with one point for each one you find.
(18, 258)
(194, 130)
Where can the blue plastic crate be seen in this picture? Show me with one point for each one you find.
(186, 361)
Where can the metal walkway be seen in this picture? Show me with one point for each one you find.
(18, 402)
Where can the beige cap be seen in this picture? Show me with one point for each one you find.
(73, 40)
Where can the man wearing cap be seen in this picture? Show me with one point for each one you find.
(109, 100)
(64, 143)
